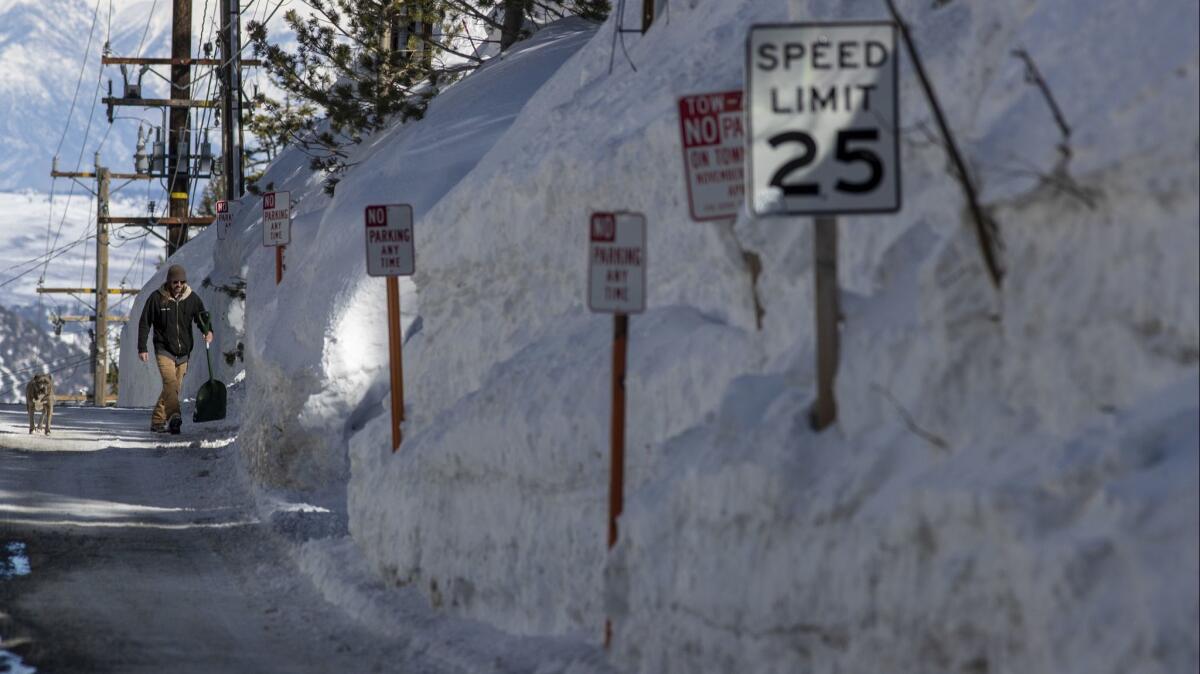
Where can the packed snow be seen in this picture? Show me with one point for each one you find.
(1012, 483)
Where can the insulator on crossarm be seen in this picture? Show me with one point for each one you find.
(141, 162)
(158, 163)
(206, 158)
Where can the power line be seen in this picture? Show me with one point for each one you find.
(86, 133)
(149, 19)
(57, 252)
(58, 367)
(87, 50)
(141, 252)
(63, 221)
(205, 113)
(83, 265)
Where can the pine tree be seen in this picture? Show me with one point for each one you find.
(360, 63)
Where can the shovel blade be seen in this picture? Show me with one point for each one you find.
(210, 402)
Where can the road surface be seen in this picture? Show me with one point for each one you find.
(122, 550)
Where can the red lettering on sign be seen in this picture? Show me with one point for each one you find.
(712, 131)
(731, 126)
(604, 227)
(702, 131)
(710, 119)
(618, 256)
(376, 216)
(384, 235)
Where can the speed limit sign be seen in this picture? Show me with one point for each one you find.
(823, 119)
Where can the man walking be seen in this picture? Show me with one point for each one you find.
(171, 310)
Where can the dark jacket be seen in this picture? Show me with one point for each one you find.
(172, 321)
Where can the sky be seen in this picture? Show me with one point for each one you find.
(57, 246)
(52, 109)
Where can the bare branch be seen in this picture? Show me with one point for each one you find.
(984, 228)
(936, 440)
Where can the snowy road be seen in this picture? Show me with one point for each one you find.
(144, 555)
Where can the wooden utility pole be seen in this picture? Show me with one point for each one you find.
(178, 139)
(101, 291)
(100, 390)
(231, 101)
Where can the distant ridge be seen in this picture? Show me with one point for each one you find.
(27, 349)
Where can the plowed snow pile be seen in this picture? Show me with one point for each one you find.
(1012, 482)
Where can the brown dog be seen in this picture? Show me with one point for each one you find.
(39, 396)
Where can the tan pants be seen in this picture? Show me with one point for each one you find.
(168, 400)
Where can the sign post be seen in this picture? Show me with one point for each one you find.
(390, 253)
(277, 226)
(617, 285)
(823, 138)
(825, 294)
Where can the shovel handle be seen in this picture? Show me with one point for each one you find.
(208, 357)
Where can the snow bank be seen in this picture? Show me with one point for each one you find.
(338, 569)
(1012, 483)
(973, 497)
(316, 344)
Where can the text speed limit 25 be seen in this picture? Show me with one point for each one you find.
(823, 119)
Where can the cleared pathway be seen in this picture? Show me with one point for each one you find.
(127, 551)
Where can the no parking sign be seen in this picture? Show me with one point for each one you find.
(277, 218)
(224, 220)
(713, 147)
(617, 263)
(389, 234)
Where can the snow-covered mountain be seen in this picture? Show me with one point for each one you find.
(48, 50)
(27, 349)
(50, 55)
(44, 315)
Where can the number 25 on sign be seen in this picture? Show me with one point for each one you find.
(823, 119)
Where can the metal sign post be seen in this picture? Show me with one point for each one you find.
(617, 285)
(823, 138)
(390, 253)
(277, 226)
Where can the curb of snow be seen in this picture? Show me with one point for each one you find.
(341, 574)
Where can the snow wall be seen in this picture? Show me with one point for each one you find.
(1012, 482)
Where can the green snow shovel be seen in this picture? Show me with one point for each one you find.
(210, 399)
